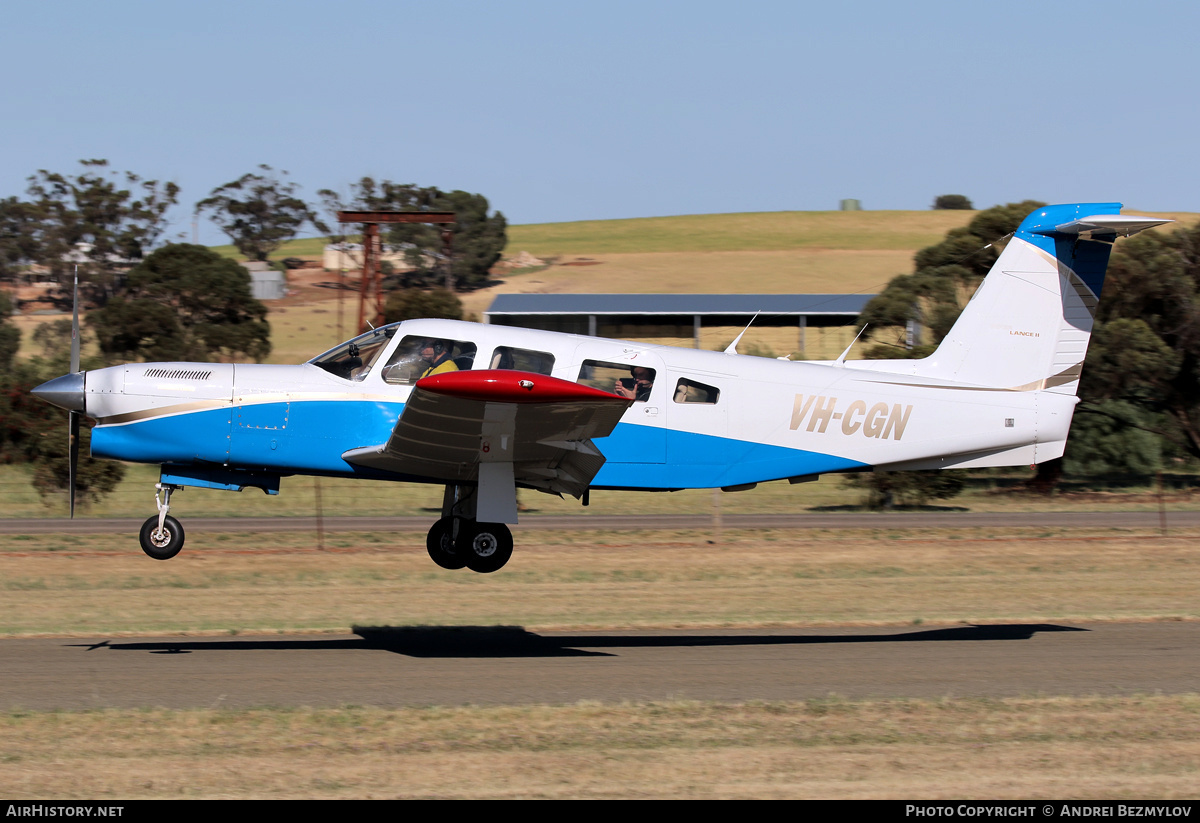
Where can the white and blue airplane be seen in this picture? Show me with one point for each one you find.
(486, 409)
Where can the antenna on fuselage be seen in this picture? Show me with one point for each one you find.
(841, 361)
(732, 347)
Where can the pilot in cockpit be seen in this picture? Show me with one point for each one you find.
(437, 353)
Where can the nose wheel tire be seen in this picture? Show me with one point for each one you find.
(486, 546)
(440, 545)
(165, 544)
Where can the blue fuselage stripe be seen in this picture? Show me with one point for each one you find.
(309, 437)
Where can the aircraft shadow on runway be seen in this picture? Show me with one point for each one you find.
(515, 641)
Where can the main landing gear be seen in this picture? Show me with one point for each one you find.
(459, 540)
(162, 535)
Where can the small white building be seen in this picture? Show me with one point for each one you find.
(349, 256)
(266, 283)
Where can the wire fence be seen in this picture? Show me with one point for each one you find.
(303, 496)
(309, 496)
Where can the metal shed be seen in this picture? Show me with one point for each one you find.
(266, 283)
(590, 313)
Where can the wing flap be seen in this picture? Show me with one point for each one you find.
(542, 425)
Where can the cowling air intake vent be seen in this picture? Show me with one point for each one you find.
(180, 374)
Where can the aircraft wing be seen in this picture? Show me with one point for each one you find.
(542, 425)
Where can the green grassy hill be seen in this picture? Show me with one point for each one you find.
(765, 231)
(307, 248)
(760, 231)
(751, 231)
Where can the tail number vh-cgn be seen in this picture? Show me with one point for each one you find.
(880, 421)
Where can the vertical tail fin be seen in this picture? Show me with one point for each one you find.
(1028, 325)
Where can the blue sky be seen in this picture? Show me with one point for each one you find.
(560, 111)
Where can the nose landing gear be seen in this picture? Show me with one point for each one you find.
(162, 535)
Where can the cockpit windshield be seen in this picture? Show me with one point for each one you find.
(354, 358)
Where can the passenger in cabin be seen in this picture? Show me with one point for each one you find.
(637, 387)
(502, 359)
(437, 354)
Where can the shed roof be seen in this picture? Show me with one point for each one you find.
(661, 305)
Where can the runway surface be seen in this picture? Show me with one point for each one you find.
(393, 667)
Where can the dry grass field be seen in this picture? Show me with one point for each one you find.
(1035, 748)
(588, 579)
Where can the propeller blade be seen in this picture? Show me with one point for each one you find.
(73, 423)
(75, 329)
(73, 457)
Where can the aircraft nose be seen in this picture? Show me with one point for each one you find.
(66, 392)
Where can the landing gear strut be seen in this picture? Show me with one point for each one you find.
(459, 540)
(162, 535)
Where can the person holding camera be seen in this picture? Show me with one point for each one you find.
(638, 386)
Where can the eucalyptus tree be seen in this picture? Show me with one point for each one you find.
(259, 212)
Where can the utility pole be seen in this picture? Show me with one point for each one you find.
(371, 288)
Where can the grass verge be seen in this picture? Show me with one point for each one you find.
(229, 583)
(1085, 748)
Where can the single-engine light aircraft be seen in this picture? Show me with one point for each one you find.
(486, 409)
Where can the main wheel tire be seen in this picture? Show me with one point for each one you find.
(486, 546)
(165, 545)
(440, 545)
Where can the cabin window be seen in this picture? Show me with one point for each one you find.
(506, 357)
(418, 357)
(635, 382)
(689, 391)
(354, 358)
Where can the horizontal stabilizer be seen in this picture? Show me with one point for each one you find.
(1117, 224)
